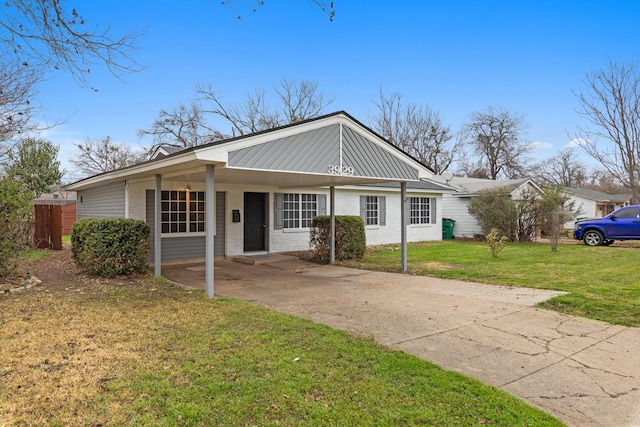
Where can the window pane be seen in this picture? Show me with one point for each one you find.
(372, 210)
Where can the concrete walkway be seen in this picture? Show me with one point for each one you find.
(584, 372)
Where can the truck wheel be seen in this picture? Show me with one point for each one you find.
(593, 238)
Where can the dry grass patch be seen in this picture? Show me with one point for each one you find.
(87, 352)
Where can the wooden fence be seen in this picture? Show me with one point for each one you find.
(51, 222)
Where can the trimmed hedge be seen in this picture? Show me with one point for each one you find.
(110, 247)
(351, 240)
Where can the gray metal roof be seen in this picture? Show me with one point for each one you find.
(415, 185)
(598, 195)
(472, 186)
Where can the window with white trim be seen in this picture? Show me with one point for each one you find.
(299, 209)
(420, 210)
(372, 215)
(182, 211)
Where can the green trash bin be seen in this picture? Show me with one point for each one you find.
(447, 228)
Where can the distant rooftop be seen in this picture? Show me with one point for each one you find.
(61, 197)
(598, 195)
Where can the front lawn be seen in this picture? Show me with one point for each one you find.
(142, 352)
(603, 282)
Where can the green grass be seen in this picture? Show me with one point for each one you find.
(141, 352)
(602, 281)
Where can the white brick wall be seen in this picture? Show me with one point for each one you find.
(347, 203)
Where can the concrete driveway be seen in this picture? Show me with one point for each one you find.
(584, 372)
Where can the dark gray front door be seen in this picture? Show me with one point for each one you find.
(254, 221)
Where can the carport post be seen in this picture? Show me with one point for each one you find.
(332, 245)
(403, 224)
(209, 229)
(157, 228)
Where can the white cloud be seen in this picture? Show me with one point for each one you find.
(577, 142)
(540, 146)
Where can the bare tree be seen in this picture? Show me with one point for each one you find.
(191, 126)
(44, 34)
(184, 126)
(563, 169)
(326, 7)
(611, 102)
(418, 130)
(41, 36)
(496, 136)
(601, 180)
(297, 101)
(17, 88)
(104, 155)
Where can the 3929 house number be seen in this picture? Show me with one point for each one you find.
(337, 170)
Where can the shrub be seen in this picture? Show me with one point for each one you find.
(15, 221)
(110, 247)
(351, 240)
(496, 242)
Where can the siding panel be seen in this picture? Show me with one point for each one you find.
(102, 202)
(368, 159)
(311, 151)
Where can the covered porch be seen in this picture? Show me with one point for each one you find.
(256, 172)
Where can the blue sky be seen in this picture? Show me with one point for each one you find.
(455, 56)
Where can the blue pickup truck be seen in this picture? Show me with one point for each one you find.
(622, 224)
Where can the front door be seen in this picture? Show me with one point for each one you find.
(255, 225)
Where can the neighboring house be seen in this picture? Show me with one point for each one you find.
(262, 190)
(594, 204)
(455, 206)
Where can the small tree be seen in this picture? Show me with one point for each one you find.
(526, 211)
(516, 219)
(496, 242)
(34, 162)
(555, 209)
(495, 209)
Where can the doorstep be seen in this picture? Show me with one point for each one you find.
(263, 258)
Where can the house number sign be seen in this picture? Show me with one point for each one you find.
(344, 170)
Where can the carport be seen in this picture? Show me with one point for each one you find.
(326, 152)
